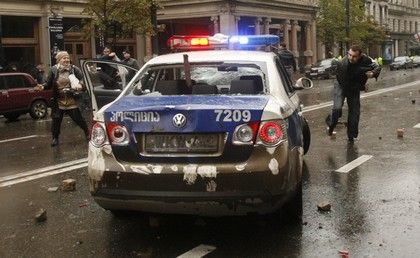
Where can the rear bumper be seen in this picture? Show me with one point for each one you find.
(210, 190)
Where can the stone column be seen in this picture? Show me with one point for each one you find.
(286, 33)
(314, 43)
(215, 20)
(227, 24)
(45, 54)
(267, 25)
(237, 19)
(383, 22)
(396, 48)
(308, 44)
(257, 24)
(148, 47)
(294, 38)
(371, 8)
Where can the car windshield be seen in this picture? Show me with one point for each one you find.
(399, 59)
(206, 78)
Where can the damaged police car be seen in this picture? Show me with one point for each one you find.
(216, 132)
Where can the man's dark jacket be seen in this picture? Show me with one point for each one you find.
(352, 77)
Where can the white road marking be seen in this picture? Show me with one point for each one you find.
(18, 139)
(198, 251)
(364, 95)
(355, 163)
(42, 172)
(417, 126)
(45, 174)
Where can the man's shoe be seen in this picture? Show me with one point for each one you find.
(54, 142)
(352, 140)
(330, 130)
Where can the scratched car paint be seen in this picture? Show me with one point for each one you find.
(226, 141)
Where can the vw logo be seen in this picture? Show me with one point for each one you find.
(179, 120)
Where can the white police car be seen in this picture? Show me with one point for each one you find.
(215, 132)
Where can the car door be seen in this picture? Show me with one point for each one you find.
(19, 91)
(4, 96)
(105, 80)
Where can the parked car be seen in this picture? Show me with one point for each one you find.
(416, 61)
(202, 132)
(17, 96)
(322, 69)
(401, 62)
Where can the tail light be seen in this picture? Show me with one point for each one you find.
(245, 134)
(98, 135)
(118, 134)
(272, 133)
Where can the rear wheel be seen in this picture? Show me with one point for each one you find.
(38, 109)
(306, 133)
(12, 116)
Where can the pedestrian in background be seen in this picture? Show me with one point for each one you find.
(128, 60)
(288, 59)
(352, 73)
(65, 80)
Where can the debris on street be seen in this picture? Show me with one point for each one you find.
(324, 206)
(343, 253)
(53, 189)
(400, 132)
(68, 185)
(41, 215)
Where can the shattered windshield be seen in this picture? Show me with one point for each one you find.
(220, 78)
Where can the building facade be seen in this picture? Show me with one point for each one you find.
(400, 19)
(27, 30)
(292, 20)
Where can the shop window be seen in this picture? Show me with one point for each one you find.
(18, 27)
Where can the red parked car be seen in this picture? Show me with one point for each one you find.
(17, 96)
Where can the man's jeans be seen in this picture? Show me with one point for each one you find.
(353, 103)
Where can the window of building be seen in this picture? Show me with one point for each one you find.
(18, 27)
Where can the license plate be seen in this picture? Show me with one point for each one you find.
(181, 143)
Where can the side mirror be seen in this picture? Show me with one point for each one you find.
(303, 84)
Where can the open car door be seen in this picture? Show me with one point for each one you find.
(105, 80)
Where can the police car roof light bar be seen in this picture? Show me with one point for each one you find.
(178, 42)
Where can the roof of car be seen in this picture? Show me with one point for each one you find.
(214, 56)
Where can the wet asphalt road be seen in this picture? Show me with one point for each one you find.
(375, 207)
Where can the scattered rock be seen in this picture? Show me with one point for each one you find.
(53, 189)
(400, 132)
(68, 185)
(380, 137)
(320, 226)
(324, 206)
(380, 244)
(413, 101)
(41, 215)
(305, 223)
(79, 242)
(343, 253)
(333, 135)
(82, 205)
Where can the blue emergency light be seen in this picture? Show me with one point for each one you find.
(255, 40)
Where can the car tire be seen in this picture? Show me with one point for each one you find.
(306, 134)
(39, 109)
